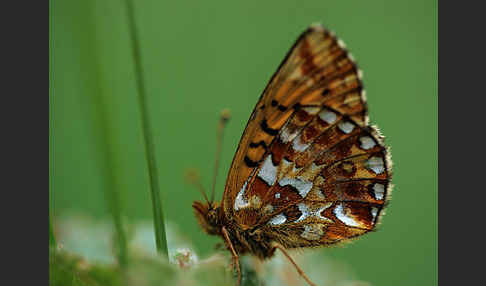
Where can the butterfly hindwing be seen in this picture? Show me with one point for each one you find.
(335, 196)
(334, 178)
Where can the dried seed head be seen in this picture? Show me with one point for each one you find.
(225, 115)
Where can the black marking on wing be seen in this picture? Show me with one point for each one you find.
(261, 143)
(250, 163)
(267, 129)
(325, 91)
(297, 106)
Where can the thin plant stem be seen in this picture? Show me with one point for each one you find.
(106, 138)
(52, 240)
(160, 236)
(119, 232)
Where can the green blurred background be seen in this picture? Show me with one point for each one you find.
(202, 56)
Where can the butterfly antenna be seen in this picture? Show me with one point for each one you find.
(193, 177)
(223, 119)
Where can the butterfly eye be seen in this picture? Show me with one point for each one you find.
(212, 216)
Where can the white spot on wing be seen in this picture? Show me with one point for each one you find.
(363, 95)
(277, 195)
(374, 212)
(304, 210)
(240, 201)
(268, 172)
(376, 164)
(342, 216)
(379, 190)
(286, 135)
(341, 43)
(302, 186)
(367, 142)
(328, 116)
(298, 145)
(278, 219)
(311, 110)
(346, 126)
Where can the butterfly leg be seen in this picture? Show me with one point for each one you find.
(236, 259)
(301, 272)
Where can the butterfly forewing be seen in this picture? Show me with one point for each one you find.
(308, 166)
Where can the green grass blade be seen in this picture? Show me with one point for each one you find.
(52, 240)
(160, 236)
(100, 101)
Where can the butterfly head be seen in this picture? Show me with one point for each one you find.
(209, 216)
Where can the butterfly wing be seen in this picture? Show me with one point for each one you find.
(332, 191)
(315, 95)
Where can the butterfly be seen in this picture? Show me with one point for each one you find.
(309, 170)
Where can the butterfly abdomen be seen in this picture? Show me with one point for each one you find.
(251, 242)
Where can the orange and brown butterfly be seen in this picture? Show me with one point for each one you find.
(309, 171)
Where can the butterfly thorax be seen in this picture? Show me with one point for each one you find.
(211, 219)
